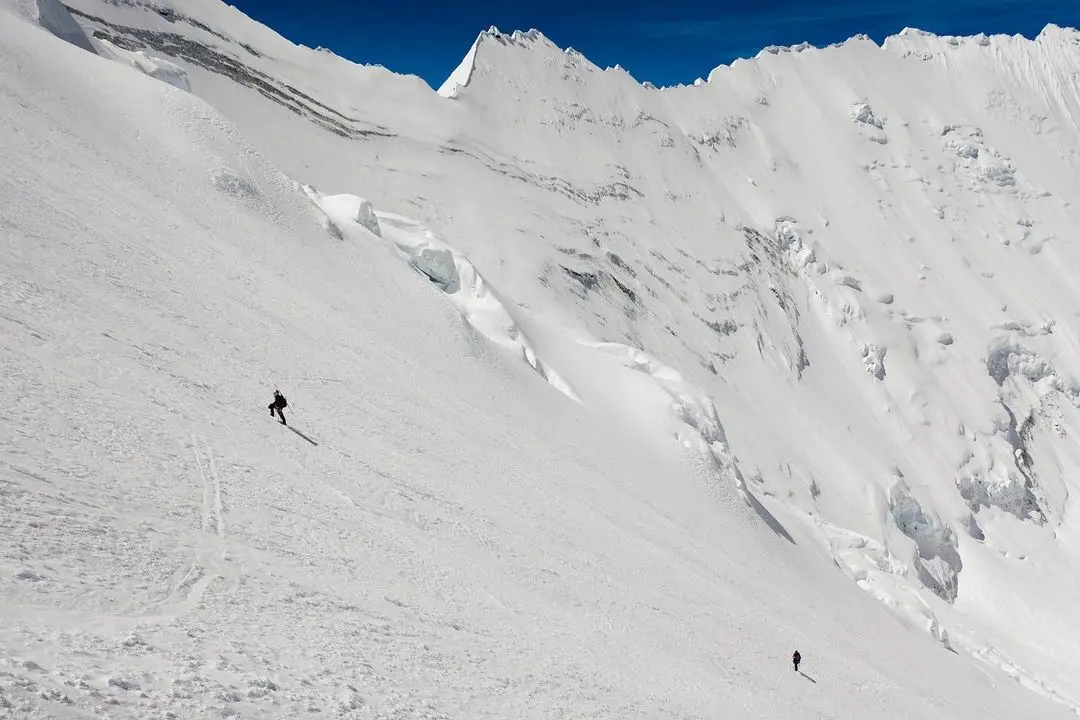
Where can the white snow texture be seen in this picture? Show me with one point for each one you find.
(604, 398)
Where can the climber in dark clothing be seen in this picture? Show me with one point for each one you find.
(796, 659)
(279, 404)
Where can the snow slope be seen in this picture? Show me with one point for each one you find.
(617, 397)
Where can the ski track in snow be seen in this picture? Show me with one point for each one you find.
(870, 372)
(212, 520)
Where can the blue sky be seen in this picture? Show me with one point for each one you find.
(663, 42)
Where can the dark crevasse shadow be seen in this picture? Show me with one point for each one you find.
(767, 516)
(808, 677)
(302, 435)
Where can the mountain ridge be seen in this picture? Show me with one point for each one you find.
(535, 36)
(909, 38)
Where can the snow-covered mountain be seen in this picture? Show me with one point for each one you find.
(606, 398)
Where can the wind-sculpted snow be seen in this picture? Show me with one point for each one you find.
(351, 209)
(696, 423)
(157, 68)
(607, 397)
(478, 302)
(54, 17)
(461, 75)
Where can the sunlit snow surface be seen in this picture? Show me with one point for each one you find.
(603, 399)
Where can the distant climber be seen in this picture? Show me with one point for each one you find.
(796, 659)
(279, 404)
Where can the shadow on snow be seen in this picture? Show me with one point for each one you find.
(302, 435)
(768, 517)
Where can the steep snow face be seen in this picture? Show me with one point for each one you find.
(438, 531)
(835, 281)
(54, 17)
(853, 243)
(462, 73)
